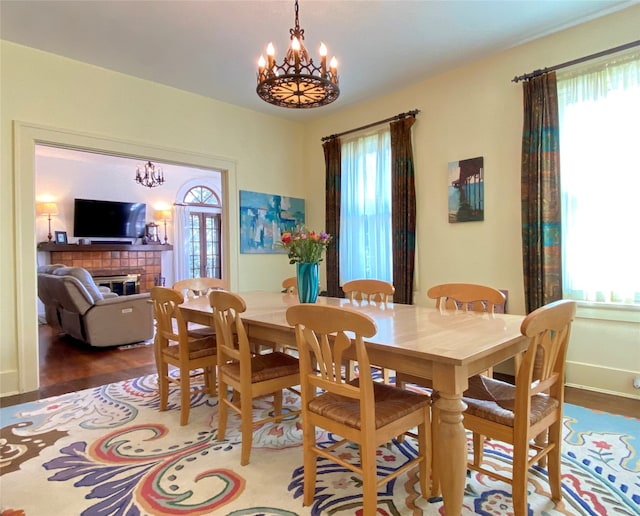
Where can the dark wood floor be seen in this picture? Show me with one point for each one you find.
(67, 366)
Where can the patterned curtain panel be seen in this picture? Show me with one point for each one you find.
(541, 203)
(403, 209)
(333, 159)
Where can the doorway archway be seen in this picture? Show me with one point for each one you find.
(26, 368)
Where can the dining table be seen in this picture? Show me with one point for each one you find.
(445, 346)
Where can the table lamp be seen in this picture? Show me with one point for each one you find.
(164, 215)
(48, 209)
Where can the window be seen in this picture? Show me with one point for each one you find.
(365, 208)
(203, 233)
(599, 110)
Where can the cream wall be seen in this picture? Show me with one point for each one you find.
(61, 100)
(474, 111)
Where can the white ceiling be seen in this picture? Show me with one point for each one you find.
(212, 47)
(97, 159)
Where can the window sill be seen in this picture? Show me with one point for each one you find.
(608, 311)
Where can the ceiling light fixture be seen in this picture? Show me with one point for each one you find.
(297, 83)
(150, 175)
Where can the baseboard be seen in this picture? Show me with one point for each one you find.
(9, 384)
(603, 391)
(606, 380)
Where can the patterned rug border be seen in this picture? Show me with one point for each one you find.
(42, 442)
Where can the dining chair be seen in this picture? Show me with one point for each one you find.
(196, 287)
(466, 296)
(191, 288)
(518, 414)
(173, 346)
(361, 411)
(250, 375)
(458, 296)
(290, 285)
(370, 291)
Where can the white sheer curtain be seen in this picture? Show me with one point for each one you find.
(599, 112)
(365, 209)
(182, 241)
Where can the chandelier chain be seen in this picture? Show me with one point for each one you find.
(296, 32)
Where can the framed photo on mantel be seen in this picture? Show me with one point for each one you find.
(61, 237)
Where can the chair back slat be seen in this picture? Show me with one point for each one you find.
(319, 346)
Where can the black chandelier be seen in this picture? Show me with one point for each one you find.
(297, 83)
(150, 175)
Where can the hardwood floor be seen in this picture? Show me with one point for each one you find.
(67, 366)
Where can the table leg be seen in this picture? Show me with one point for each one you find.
(451, 452)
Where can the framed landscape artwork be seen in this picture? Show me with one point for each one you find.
(466, 190)
(263, 219)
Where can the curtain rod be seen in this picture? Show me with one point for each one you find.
(379, 122)
(537, 73)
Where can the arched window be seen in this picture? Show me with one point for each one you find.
(202, 196)
(203, 211)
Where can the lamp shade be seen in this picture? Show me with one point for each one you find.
(163, 214)
(47, 208)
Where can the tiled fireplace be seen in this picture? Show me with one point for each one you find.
(104, 260)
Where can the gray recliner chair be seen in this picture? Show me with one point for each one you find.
(94, 314)
(46, 296)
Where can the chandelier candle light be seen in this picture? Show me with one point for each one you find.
(297, 82)
(150, 175)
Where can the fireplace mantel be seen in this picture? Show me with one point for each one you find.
(53, 247)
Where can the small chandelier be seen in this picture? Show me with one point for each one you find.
(297, 83)
(150, 175)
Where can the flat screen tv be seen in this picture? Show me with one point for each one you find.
(108, 219)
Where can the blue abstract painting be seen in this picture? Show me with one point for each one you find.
(263, 219)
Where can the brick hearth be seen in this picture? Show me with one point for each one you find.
(145, 262)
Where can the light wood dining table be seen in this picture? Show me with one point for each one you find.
(442, 345)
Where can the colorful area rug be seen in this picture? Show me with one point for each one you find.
(109, 451)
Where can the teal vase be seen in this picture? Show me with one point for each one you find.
(308, 279)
